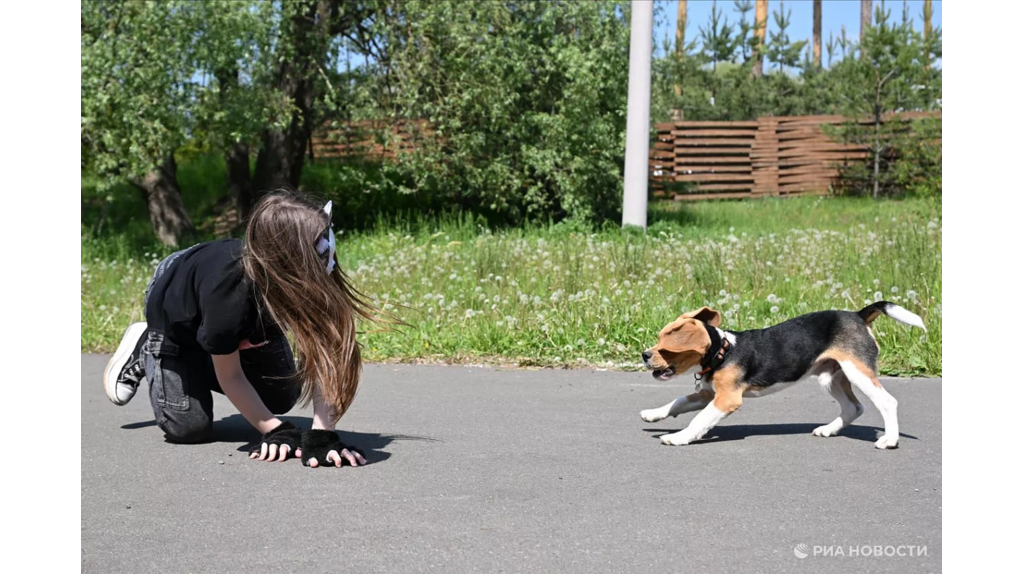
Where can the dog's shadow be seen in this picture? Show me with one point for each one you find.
(235, 429)
(740, 432)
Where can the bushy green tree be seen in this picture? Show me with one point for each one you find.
(895, 74)
(138, 86)
(239, 78)
(526, 100)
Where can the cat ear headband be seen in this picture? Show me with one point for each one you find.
(325, 243)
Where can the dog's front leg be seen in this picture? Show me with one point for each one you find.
(728, 398)
(699, 426)
(693, 402)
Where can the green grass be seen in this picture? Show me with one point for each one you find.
(569, 295)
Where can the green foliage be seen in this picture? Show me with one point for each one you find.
(780, 49)
(718, 43)
(527, 101)
(158, 77)
(137, 70)
(237, 46)
(794, 87)
(153, 80)
(895, 73)
(910, 159)
(748, 42)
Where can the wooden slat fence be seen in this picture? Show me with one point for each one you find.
(688, 159)
(365, 139)
(769, 156)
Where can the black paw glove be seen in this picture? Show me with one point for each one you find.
(318, 443)
(285, 434)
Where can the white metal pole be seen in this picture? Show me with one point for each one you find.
(638, 116)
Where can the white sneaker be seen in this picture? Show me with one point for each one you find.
(125, 370)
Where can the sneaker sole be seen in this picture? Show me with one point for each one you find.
(121, 356)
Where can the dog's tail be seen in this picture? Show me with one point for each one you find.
(894, 311)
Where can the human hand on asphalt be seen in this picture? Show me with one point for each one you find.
(277, 444)
(324, 445)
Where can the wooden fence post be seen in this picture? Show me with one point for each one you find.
(764, 157)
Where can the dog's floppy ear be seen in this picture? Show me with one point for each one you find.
(706, 314)
(684, 336)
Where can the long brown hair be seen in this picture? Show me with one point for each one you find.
(318, 308)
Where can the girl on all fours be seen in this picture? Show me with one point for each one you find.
(215, 320)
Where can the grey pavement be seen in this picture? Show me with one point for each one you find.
(493, 470)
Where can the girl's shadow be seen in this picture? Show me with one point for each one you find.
(235, 428)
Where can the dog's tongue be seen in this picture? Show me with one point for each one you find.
(663, 375)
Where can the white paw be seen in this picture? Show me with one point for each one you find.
(887, 442)
(827, 430)
(653, 415)
(678, 439)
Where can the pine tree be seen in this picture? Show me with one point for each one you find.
(747, 40)
(780, 50)
(892, 75)
(717, 39)
(830, 48)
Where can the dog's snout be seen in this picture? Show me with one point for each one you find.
(647, 355)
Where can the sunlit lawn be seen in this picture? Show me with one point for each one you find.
(571, 296)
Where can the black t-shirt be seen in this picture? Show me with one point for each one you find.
(203, 299)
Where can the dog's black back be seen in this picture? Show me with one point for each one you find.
(781, 353)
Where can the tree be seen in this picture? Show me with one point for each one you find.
(746, 40)
(892, 75)
(238, 78)
(760, 28)
(817, 33)
(237, 104)
(680, 50)
(865, 19)
(717, 40)
(302, 44)
(137, 87)
(780, 50)
(288, 56)
(693, 99)
(926, 16)
(526, 102)
(830, 48)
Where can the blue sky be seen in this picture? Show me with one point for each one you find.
(834, 15)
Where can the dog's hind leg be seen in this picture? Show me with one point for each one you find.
(849, 407)
(693, 402)
(867, 382)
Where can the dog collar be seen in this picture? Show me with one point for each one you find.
(716, 353)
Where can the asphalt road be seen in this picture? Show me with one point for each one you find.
(489, 470)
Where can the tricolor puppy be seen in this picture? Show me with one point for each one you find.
(836, 347)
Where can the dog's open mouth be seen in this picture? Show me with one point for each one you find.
(664, 374)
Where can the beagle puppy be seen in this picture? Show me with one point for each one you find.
(835, 347)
